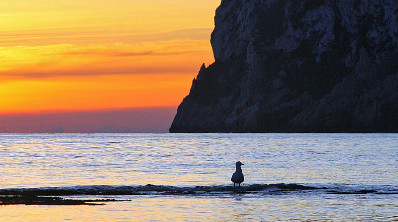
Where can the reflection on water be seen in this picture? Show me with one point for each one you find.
(239, 208)
(199, 159)
(357, 161)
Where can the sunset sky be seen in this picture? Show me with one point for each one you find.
(96, 56)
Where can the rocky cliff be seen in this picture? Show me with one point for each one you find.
(298, 66)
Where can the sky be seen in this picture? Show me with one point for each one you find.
(63, 60)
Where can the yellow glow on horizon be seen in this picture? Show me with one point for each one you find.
(101, 54)
(99, 93)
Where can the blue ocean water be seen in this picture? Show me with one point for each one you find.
(351, 176)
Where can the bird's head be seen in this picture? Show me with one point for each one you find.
(238, 164)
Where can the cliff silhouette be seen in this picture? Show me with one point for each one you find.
(298, 66)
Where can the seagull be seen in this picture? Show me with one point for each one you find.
(238, 177)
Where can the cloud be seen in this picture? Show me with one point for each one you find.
(116, 53)
(169, 57)
(77, 71)
(110, 53)
(38, 38)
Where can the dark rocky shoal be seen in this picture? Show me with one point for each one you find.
(298, 66)
(36, 200)
(61, 195)
(141, 190)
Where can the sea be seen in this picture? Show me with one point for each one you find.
(186, 177)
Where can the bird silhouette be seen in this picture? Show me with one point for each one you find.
(237, 177)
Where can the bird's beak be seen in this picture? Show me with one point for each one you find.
(242, 164)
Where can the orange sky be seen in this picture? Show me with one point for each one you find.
(80, 55)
